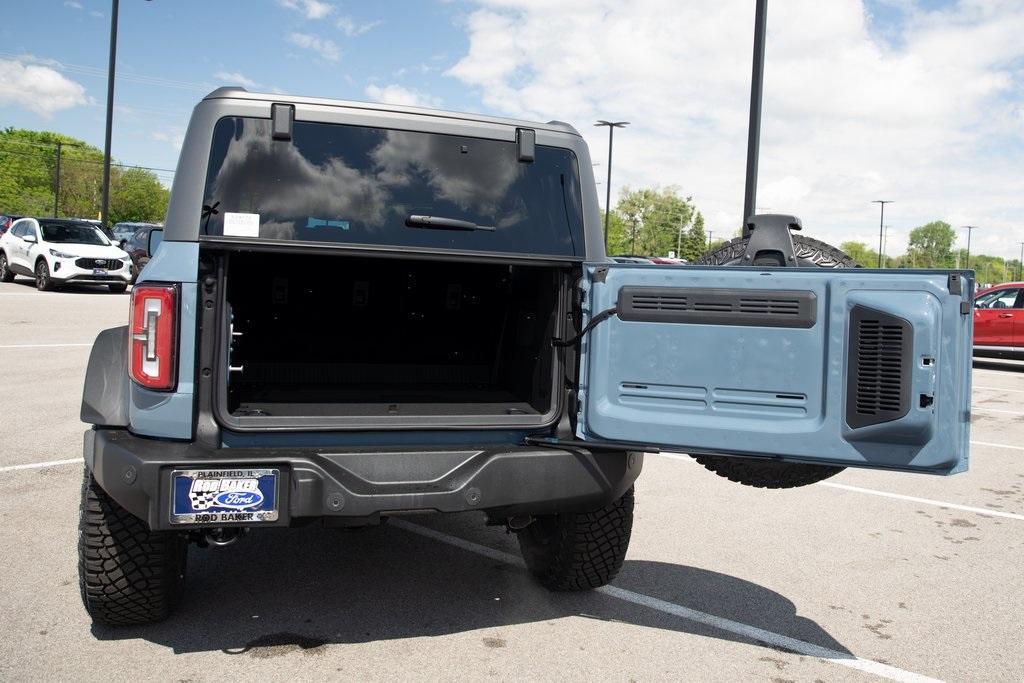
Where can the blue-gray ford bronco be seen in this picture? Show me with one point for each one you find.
(364, 311)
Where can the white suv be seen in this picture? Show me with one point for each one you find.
(59, 251)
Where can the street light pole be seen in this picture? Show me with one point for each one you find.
(612, 125)
(881, 219)
(105, 206)
(885, 242)
(970, 229)
(754, 125)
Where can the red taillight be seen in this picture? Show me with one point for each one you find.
(152, 335)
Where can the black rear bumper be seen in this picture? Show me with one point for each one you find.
(349, 484)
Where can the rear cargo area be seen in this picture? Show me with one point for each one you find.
(346, 341)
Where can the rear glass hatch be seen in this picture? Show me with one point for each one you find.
(359, 186)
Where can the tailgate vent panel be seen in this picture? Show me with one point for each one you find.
(711, 306)
(879, 361)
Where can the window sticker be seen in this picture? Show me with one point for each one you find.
(241, 224)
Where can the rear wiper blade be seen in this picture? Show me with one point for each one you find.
(444, 223)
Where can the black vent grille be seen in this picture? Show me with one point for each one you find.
(779, 306)
(660, 302)
(713, 306)
(108, 263)
(880, 352)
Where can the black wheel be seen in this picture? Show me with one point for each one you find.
(5, 273)
(771, 473)
(44, 282)
(579, 551)
(118, 288)
(127, 573)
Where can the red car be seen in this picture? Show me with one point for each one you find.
(999, 321)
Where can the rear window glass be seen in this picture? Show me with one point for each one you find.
(351, 184)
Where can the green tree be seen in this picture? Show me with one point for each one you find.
(28, 173)
(137, 195)
(931, 245)
(654, 222)
(866, 257)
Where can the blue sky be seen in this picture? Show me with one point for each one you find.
(182, 49)
(914, 100)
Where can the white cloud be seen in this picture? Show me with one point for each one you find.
(397, 94)
(38, 88)
(927, 112)
(174, 135)
(311, 9)
(73, 4)
(327, 49)
(351, 28)
(235, 78)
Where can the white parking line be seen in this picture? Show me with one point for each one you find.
(1015, 391)
(980, 409)
(900, 496)
(997, 445)
(41, 346)
(926, 501)
(738, 628)
(36, 465)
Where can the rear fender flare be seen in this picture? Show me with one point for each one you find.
(106, 393)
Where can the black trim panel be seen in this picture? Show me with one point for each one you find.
(719, 306)
(879, 359)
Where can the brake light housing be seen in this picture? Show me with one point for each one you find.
(153, 336)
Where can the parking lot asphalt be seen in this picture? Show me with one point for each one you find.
(866, 576)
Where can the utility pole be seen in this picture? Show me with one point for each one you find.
(56, 182)
(1021, 261)
(612, 125)
(881, 219)
(710, 233)
(754, 127)
(970, 229)
(632, 248)
(885, 244)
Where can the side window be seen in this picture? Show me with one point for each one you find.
(999, 299)
(18, 230)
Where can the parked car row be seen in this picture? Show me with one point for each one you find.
(660, 260)
(59, 251)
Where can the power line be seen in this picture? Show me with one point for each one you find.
(86, 161)
(98, 72)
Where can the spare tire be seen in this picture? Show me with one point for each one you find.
(763, 473)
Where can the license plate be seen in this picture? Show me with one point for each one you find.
(99, 271)
(243, 496)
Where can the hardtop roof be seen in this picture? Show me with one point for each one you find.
(243, 94)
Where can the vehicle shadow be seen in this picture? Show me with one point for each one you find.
(65, 289)
(277, 591)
